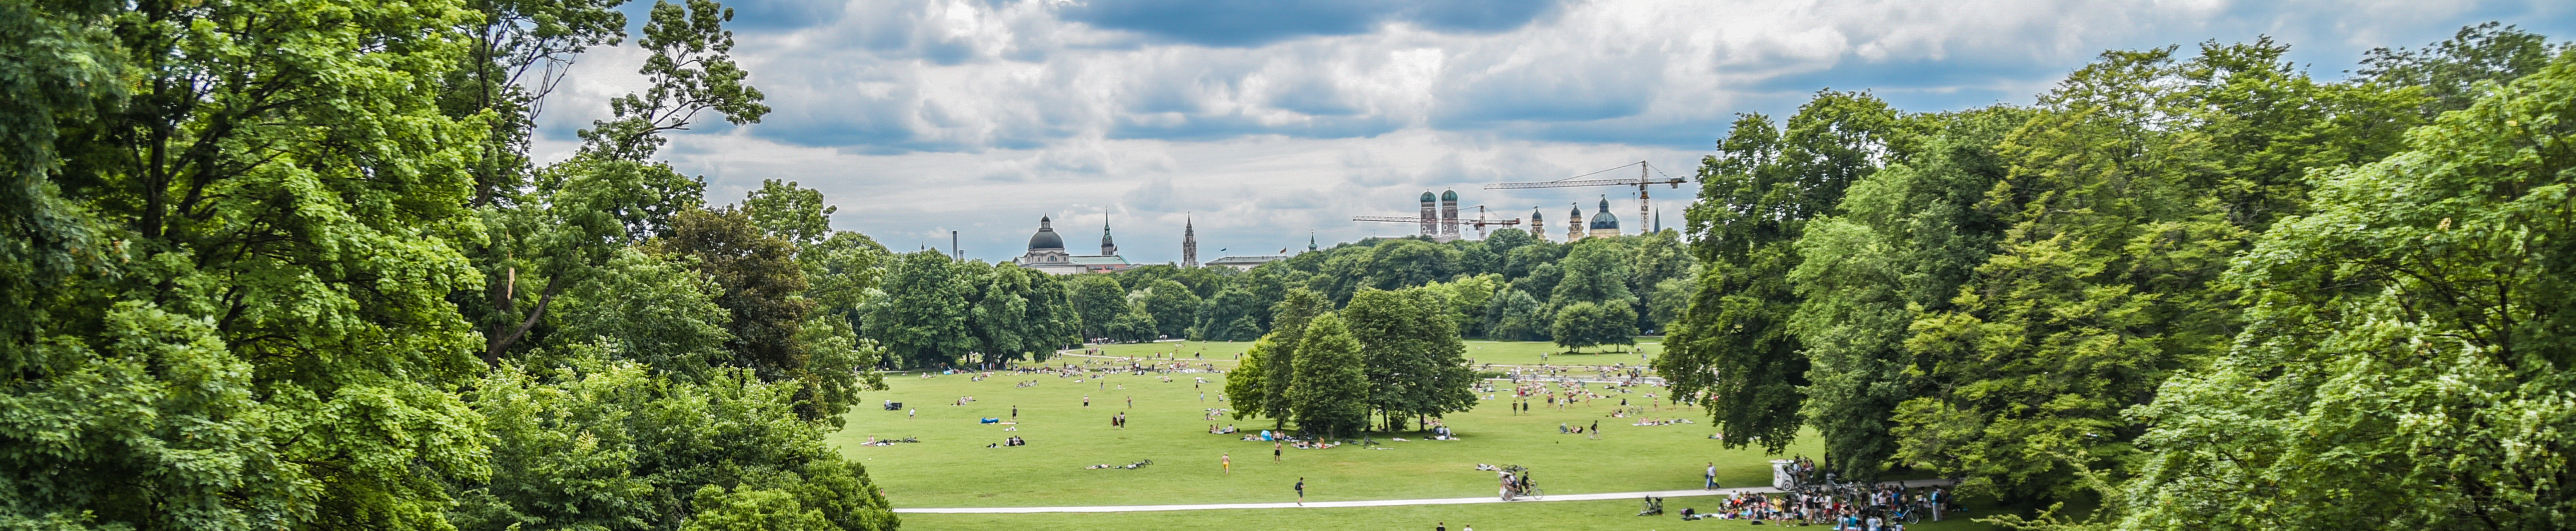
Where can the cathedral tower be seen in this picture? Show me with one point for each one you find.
(1448, 215)
(1430, 214)
(1189, 244)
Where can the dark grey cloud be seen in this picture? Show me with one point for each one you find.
(1245, 23)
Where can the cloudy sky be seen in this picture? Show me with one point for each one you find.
(1267, 119)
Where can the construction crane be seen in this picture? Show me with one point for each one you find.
(1480, 222)
(1642, 182)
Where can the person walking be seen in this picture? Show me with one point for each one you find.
(1274, 452)
(1301, 492)
(1131, 402)
(1015, 413)
(1708, 479)
(913, 414)
(1228, 461)
(1595, 433)
(1086, 401)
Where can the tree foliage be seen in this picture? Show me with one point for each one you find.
(1415, 362)
(1756, 196)
(1327, 395)
(2406, 360)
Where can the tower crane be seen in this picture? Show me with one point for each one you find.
(1642, 182)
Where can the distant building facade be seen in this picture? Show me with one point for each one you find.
(1046, 253)
(1245, 263)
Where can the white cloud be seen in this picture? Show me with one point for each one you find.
(924, 116)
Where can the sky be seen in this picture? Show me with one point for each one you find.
(1264, 121)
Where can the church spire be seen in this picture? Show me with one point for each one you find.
(1189, 243)
(1107, 247)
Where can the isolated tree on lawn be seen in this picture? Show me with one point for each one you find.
(1416, 364)
(1247, 386)
(1330, 395)
(1288, 333)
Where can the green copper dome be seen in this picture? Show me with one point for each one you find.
(1601, 219)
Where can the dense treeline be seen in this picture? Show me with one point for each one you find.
(1597, 291)
(2199, 287)
(288, 265)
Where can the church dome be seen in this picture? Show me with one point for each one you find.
(1451, 195)
(1601, 219)
(1427, 197)
(1046, 238)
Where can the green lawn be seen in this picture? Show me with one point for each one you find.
(1495, 352)
(951, 467)
(1553, 516)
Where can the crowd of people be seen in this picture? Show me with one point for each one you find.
(1870, 508)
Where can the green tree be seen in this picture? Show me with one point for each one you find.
(1248, 384)
(1468, 297)
(1232, 315)
(762, 286)
(1590, 324)
(1505, 240)
(1908, 236)
(654, 309)
(518, 53)
(2450, 71)
(2099, 289)
(1329, 396)
(999, 316)
(1287, 335)
(691, 71)
(921, 320)
(602, 444)
(1398, 264)
(227, 271)
(1756, 195)
(608, 195)
(1134, 326)
(2407, 358)
(789, 212)
(1173, 305)
(1099, 300)
(574, 220)
(1519, 317)
(1415, 363)
(1596, 271)
(1666, 302)
(1053, 322)
(842, 273)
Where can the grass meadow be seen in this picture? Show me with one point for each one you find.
(952, 467)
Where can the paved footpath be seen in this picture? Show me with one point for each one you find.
(1369, 503)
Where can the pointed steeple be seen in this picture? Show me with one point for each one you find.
(1189, 243)
(1310, 240)
(1107, 247)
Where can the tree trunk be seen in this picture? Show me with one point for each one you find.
(501, 343)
